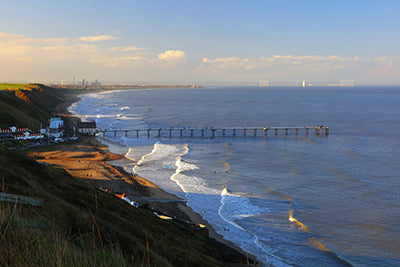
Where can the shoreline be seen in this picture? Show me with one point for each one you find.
(91, 160)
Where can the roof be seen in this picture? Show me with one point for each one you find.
(87, 124)
(56, 123)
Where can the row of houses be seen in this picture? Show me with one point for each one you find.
(13, 129)
(19, 134)
(55, 129)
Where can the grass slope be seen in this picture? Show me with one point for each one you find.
(81, 224)
(27, 105)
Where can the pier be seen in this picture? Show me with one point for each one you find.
(214, 132)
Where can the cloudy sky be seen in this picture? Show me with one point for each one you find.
(200, 41)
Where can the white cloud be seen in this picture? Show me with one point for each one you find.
(282, 61)
(289, 67)
(26, 58)
(19, 39)
(171, 55)
(127, 48)
(97, 38)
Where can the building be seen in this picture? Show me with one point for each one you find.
(56, 127)
(96, 82)
(87, 127)
(28, 136)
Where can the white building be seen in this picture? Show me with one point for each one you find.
(56, 127)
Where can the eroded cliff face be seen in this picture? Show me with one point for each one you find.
(22, 95)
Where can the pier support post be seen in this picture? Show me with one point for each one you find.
(234, 132)
(276, 131)
(213, 132)
(148, 133)
(115, 134)
(181, 130)
(191, 132)
(326, 130)
(286, 131)
(104, 134)
(265, 131)
(306, 130)
(244, 132)
(202, 132)
(255, 132)
(126, 133)
(223, 132)
(159, 132)
(137, 133)
(296, 131)
(170, 133)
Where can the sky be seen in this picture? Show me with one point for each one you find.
(193, 41)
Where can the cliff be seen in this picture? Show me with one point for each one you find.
(27, 105)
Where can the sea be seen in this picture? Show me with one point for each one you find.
(289, 200)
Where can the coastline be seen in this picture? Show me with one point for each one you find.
(91, 160)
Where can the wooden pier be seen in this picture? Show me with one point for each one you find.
(214, 132)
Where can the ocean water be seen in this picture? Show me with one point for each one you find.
(291, 200)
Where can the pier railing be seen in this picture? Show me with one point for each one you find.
(215, 132)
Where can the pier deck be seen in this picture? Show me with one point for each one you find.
(214, 132)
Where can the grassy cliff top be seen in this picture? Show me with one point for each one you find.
(12, 86)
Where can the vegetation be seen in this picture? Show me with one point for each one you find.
(81, 226)
(12, 86)
(27, 105)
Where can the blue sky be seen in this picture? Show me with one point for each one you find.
(200, 41)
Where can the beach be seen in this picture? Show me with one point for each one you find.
(90, 160)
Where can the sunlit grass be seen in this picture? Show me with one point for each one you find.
(12, 86)
(24, 245)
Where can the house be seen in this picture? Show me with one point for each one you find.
(28, 136)
(56, 127)
(87, 127)
(14, 129)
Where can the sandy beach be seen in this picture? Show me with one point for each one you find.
(90, 160)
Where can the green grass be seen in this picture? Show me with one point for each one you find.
(12, 86)
(24, 245)
(17, 111)
(88, 227)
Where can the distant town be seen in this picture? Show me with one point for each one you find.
(96, 84)
(85, 84)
